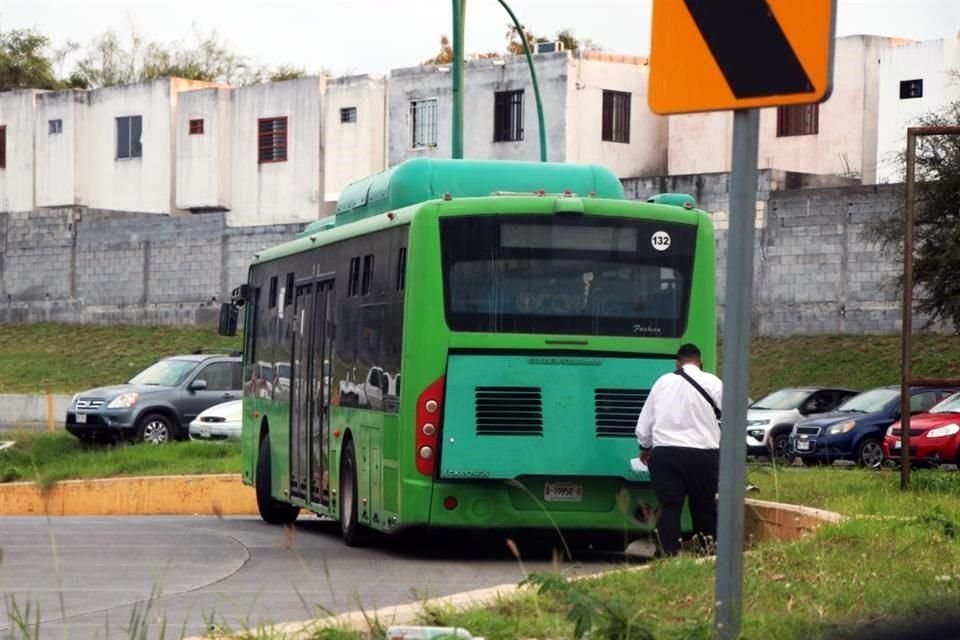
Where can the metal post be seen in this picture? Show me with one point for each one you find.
(533, 78)
(459, 16)
(738, 312)
(906, 330)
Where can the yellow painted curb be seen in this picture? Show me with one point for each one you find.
(223, 494)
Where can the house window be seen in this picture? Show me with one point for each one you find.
(402, 269)
(288, 292)
(3, 147)
(508, 116)
(367, 285)
(798, 120)
(272, 140)
(196, 127)
(423, 123)
(911, 89)
(54, 126)
(129, 130)
(616, 116)
(353, 282)
(348, 114)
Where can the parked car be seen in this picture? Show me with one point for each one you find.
(158, 403)
(771, 418)
(219, 422)
(934, 436)
(855, 431)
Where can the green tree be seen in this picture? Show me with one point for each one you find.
(24, 61)
(572, 43)
(936, 266)
(515, 42)
(287, 72)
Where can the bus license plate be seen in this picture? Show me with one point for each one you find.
(563, 492)
(81, 418)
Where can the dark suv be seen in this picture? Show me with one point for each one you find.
(158, 404)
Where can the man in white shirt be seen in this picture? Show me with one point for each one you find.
(679, 434)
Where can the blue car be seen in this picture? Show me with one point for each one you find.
(856, 429)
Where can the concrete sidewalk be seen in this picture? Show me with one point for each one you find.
(29, 411)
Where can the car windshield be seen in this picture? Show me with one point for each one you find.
(950, 405)
(166, 373)
(782, 399)
(869, 401)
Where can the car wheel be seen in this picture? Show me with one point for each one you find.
(354, 533)
(782, 452)
(155, 428)
(271, 510)
(870, 454)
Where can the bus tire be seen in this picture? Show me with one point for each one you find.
(271, 509)
(354, 534)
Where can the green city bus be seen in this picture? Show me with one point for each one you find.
(529, 308)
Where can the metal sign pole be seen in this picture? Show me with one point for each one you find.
(738, 312)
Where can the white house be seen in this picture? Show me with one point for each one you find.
(915, 78)
(595, 110)
(58, 137)
(837, 137)
(17, 115)
(354, 130)
(127, 145)
(203, 131)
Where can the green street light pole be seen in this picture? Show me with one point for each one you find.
(459, 17)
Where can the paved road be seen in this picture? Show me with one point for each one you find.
(88, 575)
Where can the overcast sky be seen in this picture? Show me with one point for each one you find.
(373, 36)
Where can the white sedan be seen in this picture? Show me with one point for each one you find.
(220, 422)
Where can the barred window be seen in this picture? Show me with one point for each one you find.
(508, 116)
(423, 123)
(348, 114)
(272, 140)
(616, 117)
(911, 89)
(798, 120)
(196, 127)
(54, 127)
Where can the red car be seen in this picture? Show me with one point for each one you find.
(934, 436)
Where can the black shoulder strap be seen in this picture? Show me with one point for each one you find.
(706, 396)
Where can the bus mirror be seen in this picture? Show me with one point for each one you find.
(228, 319)
(239, 295)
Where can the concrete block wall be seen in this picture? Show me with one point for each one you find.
(815, 269)
(81, 265)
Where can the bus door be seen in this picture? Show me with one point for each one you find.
(310, 389)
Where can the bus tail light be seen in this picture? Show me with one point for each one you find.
(429, 417)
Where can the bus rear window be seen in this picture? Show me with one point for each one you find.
(575, 276)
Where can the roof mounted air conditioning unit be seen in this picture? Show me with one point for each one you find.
(549, 47)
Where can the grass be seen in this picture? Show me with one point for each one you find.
(864, 570)
(61, 358)
(858, 362)
(58, 358)
(47, 458)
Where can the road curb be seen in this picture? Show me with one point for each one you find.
(223, 494)
(764, 520)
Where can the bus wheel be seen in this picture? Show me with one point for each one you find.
(271, 509)
(354, 534)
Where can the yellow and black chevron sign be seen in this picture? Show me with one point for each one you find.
(711, 55)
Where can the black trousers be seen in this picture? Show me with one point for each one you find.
(678, 474)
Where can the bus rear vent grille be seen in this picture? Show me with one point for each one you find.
(617, 411)
(509, 411)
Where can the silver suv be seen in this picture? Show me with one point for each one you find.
(771, 418)
(158, 403)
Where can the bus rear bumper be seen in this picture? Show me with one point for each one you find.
(610, 504)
